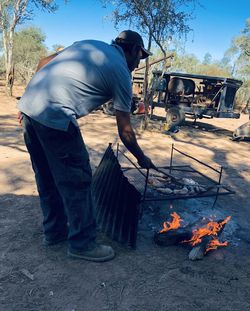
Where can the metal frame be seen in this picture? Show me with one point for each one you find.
(217, 187)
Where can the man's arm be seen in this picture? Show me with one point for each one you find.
(45, 61)
(128, 138)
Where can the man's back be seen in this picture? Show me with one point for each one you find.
(79, 79)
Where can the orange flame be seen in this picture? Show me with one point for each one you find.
(174, 224)
(214, 244)
(212, 228)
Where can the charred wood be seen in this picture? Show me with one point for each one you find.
(199, 251)
(175, 236)
(172, 237)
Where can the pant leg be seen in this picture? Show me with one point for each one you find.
(69, 164)
(54, 216)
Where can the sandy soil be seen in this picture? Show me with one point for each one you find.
(35, 277)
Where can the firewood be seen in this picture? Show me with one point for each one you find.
(199, 251)
(172, 237)
(175, 236)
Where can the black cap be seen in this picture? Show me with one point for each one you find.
(132, 37)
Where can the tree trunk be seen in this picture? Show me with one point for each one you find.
(9, 79)
(8, 57)
(146, 98)
(9, 62)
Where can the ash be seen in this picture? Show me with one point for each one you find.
(193, 211)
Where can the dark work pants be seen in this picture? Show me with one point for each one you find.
(63, 177)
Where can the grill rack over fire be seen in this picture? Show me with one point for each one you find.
(195, 183)
(118, 190)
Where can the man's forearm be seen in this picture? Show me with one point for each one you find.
(127, 134)
(129, 140)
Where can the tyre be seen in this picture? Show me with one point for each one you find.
(108, 108)
(175, 116)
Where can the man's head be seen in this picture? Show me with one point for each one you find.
(132, 44)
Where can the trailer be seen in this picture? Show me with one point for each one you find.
(191, 95)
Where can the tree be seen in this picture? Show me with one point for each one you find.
(12, 13)
(187, 63)
(239, 56)
(239, 52)
(207, 59)
(160, 20)
(29, 48)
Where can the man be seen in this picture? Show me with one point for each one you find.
(69, 85)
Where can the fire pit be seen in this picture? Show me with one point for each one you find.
(202, 236)
(121, 190)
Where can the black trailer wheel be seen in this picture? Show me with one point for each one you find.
(108, 108)
(175, 116)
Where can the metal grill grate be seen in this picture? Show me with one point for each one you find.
(119, 190)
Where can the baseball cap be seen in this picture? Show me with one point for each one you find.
(132, 37)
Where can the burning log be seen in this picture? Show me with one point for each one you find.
(205, 239)
(172, 232)
(172, 237)
(198, 252)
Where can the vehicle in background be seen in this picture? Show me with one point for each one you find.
(108, 107)
(196, 96)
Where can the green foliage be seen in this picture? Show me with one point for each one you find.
(159, 19)
(243, 95)
(185, 63)
(13, 13)
(238, 55)
(29, 48)
(213, 69)
(189, 63)
(207, 59)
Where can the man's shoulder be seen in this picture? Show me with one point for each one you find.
(91, 43)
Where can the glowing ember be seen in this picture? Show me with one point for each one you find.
(211, 229)
(174, 224)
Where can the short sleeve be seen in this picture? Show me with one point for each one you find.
(122, 90)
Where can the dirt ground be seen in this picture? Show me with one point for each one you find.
(151, 278)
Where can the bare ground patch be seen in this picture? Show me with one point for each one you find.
(34, 277)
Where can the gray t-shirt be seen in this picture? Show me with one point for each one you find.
(78, 80)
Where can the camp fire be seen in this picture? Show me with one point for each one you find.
(204, 237)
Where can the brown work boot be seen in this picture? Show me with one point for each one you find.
(97, 253)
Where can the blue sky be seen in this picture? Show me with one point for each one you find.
(214, 26)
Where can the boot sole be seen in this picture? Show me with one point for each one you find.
(94, 259)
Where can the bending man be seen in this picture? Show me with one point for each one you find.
(69, 85)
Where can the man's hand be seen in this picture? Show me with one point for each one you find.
(146, 162)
